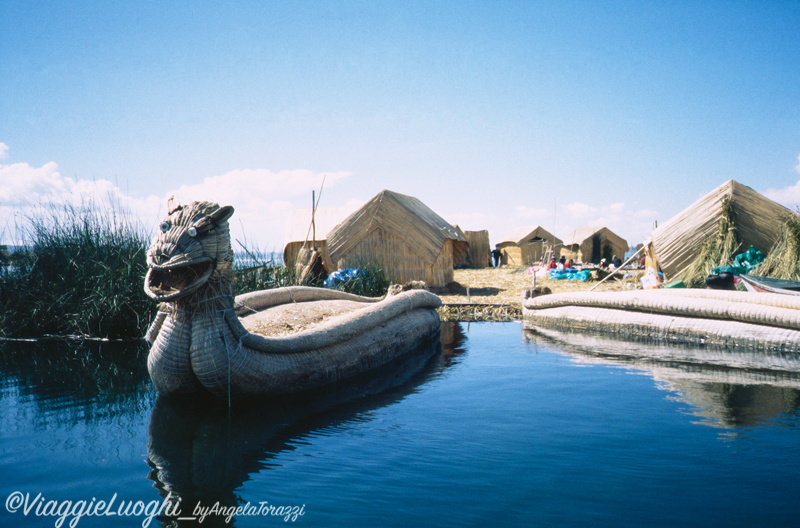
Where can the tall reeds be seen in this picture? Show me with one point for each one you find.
(783, 260)
(81, 273)
(373, 280)
(263, 273)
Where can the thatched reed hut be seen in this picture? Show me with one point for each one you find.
(478, 252)
(679, 241)
(300, 233)
(591, 244)
(527, 245)
(401, 234)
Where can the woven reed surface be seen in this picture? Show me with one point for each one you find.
(772, 310)
(336, 339)
(169, 363)
(478, 249)
(287, 319)
(236, 369)
(728, 318)
(679, 240)
(341, 328)
(669, 328)
(248, 303)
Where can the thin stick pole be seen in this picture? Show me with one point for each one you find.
(313, 223)
(616, 270)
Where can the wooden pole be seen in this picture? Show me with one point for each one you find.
(616, 270)
(313, 224)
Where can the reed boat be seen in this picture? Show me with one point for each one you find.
(264, 343)
(769, 321)
(770, 285)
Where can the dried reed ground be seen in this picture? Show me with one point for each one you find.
(505, 285)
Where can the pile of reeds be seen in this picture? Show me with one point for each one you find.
(783, 260)
(480, 312)
(80, 274)
(716, 251)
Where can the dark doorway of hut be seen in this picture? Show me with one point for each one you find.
(596, 249)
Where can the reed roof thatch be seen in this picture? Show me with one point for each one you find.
(402, 232)
(590, 243)
(528, 234)
(479, 248)
(678, 241)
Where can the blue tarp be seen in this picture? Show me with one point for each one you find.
(337, 278)
(743, 263)
(571, 274)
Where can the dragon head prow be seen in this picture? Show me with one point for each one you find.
(192, 246)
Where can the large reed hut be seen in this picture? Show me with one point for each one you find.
(680, 240)
(591, 244)
(401, 234)
(527, 245)
(478, 252)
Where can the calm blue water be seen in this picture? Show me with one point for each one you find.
(503, 426)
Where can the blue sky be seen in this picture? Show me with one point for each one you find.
(495, 114)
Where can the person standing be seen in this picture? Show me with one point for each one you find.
(496, 257)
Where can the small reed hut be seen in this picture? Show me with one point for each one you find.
(300, 233)
(478, 252)
(591, 244)
(679, 241)
(528, 245)
(401, 234)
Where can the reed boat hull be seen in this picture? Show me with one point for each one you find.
(704, 317)
(286, 341)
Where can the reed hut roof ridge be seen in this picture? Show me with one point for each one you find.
(403, 216)
(758, 221)
(526, 234)
(581, 234)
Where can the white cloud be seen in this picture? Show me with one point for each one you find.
(580, 210)
(262, 199)
(23, 188)
(788, 197)
(533, 214)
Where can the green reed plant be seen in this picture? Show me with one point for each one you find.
(81, 274)
(373, 282)
(783, 260)
(716, 251)
(263, 273)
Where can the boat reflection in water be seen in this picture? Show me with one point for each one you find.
(201, 450)
(726, 388)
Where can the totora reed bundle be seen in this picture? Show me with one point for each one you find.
(783, 261)
(717, 251)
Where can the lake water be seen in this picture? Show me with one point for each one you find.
(502, 426)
